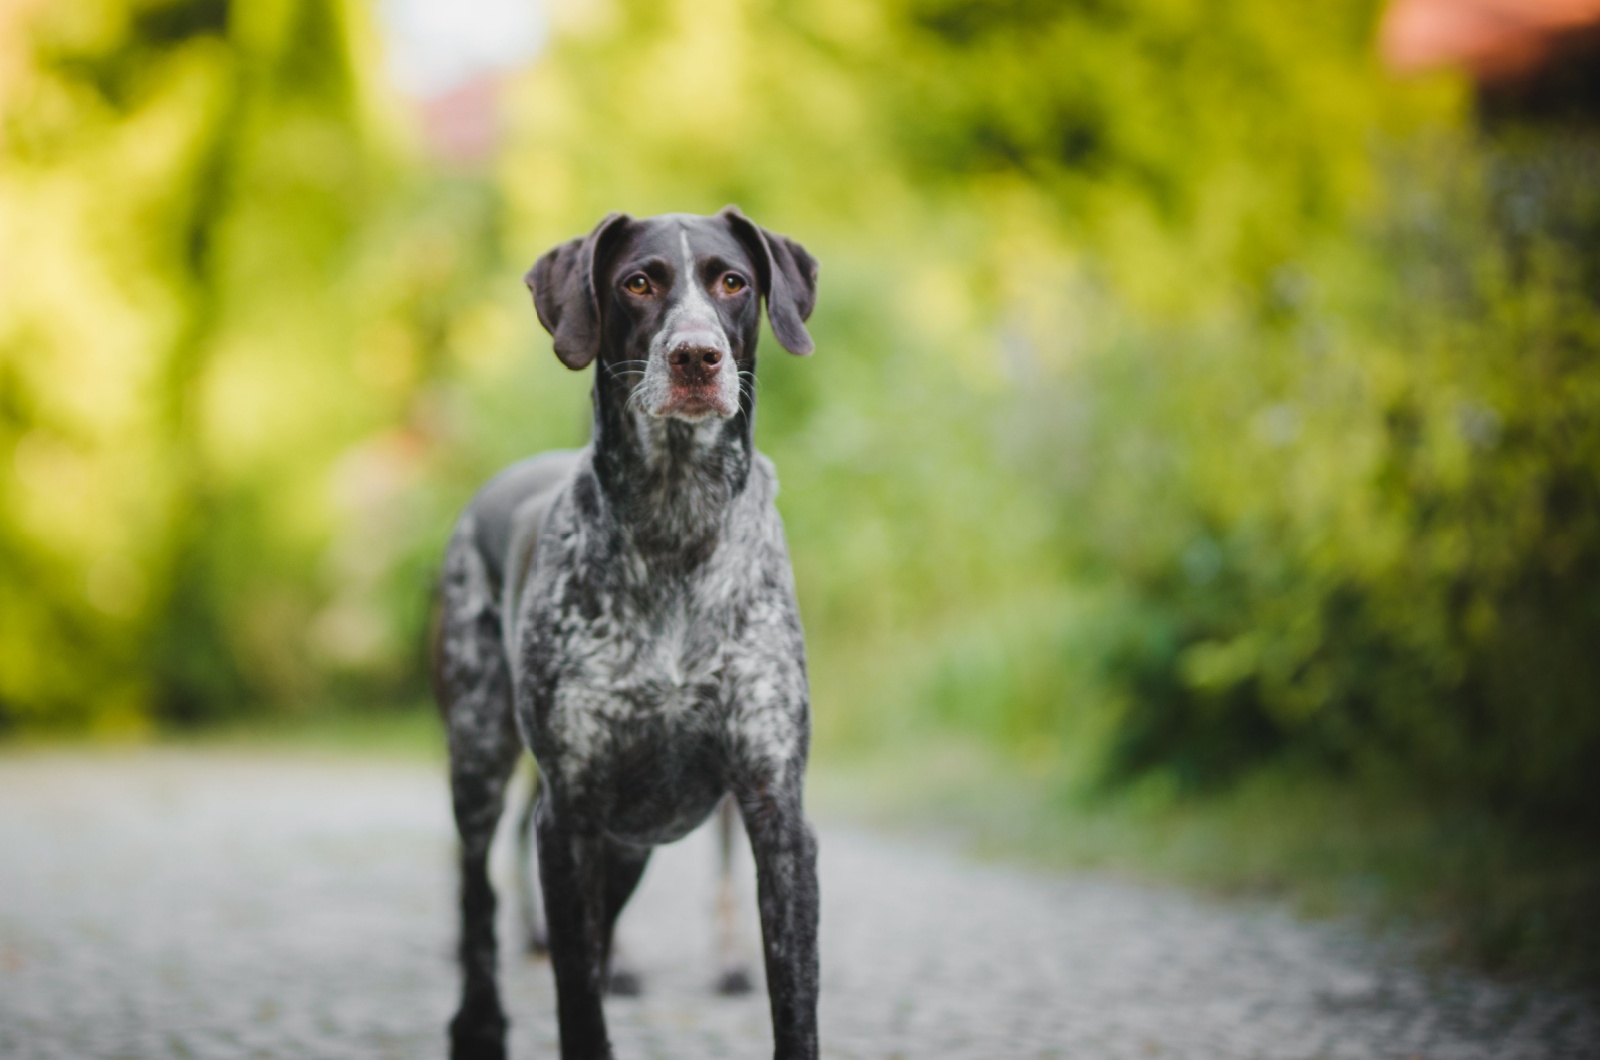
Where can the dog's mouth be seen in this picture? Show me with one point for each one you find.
(690, 382)
(694, 403)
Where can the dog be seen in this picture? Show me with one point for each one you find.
(627, 612)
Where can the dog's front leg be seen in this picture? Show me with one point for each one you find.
(786, 886)
(572, 869)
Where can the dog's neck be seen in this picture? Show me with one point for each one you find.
(670, 482)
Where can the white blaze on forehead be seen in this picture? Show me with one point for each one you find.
(691, 321)
(694, 311)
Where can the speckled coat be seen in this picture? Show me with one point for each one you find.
(628, 612)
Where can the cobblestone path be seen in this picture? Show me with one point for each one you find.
(196, 904)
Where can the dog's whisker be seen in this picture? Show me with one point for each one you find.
(749, 384)
(621, 369)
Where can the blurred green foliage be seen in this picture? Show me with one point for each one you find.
(1189, 394)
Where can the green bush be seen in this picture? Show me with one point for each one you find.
(1362, 527)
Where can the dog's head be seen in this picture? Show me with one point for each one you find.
(671, 305)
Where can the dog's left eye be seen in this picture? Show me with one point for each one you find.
(733, 283)
(638, 283)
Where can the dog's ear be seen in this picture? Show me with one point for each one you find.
(788, 277)
(565, 294)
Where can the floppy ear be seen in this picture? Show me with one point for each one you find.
(788, 279)
(563, 283)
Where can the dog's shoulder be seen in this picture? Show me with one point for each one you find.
(763, 483)
(759, 527)
(509, 507)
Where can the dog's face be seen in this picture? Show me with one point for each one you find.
(671, 306)
(680, 304)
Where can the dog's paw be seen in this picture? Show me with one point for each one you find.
(734, 981)
(478, 1036)
(624, 982)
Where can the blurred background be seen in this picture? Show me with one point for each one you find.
(1204, 434)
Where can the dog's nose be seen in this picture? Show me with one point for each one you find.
(694, 364)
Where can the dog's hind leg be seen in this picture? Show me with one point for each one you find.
(624, 867)
(473, 684)
(530, 900)
(733, 975)
(483, 754)
(479, 1027)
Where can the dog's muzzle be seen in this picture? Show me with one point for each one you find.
(697, 381)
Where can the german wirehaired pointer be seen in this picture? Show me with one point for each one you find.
(629, 610)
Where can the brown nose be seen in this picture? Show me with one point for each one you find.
(694, 364)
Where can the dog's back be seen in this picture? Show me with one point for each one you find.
(506, 516)
(509, 508)
(496, 535)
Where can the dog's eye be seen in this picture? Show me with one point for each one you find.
(733, 283)
(638, 283)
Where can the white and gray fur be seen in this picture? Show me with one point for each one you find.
(627, 612)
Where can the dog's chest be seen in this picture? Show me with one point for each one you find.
(665, 662)
(638, 659)
(634, 725)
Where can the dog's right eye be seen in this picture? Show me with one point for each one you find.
(638, 283)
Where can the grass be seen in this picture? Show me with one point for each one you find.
(412, 732)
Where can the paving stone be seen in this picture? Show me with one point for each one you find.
(196, 904)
